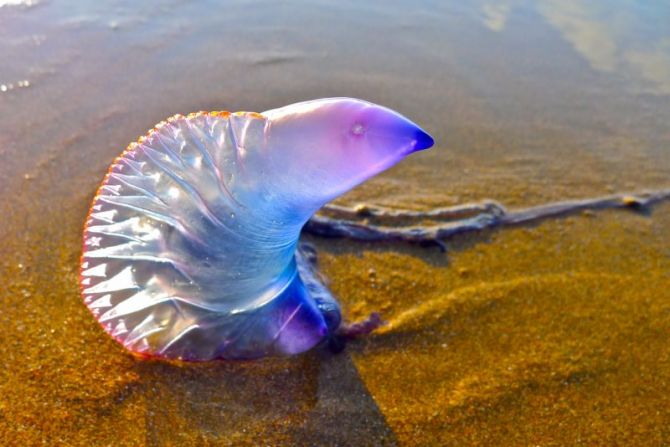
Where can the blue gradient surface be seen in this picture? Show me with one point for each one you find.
(190, 246)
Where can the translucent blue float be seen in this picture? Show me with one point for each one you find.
(190, 246)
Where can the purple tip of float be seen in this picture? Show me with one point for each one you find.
(422, 140)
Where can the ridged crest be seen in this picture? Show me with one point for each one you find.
(168, 265)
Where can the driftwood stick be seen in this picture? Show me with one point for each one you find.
(635, 201)
(453, 212)
(329, 227)
(488, 215)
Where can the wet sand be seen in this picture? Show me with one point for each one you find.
(554, 333)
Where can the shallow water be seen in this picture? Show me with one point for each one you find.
(550, 334)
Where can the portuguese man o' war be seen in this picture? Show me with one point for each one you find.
(190, 246)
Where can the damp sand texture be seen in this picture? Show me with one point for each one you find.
(553, 332)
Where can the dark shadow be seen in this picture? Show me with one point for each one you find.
(432, 254)
(314, 399)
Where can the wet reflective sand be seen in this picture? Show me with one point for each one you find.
(548, 334)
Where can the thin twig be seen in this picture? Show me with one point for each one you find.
(490, 215)
(458, 211)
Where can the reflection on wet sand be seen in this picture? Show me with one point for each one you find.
(608, 37)
(26, 3)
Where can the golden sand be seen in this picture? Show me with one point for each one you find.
(553, 334)
(549, 334)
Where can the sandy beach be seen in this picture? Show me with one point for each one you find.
(553, 333)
